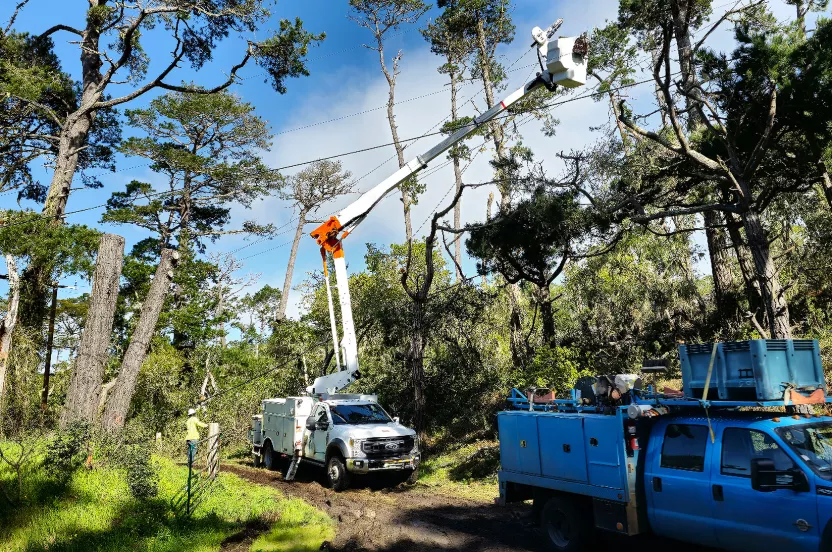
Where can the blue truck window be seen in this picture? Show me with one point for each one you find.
(684, 447)
(740, 445)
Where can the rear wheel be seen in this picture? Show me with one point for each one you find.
(268, 456)
(565, 527)
(337, 474)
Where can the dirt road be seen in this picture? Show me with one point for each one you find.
(419, 519)
(406, 519)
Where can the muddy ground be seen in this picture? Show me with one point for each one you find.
(417, 518)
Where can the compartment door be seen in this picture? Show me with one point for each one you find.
(604, 441)
(562, 453)
(519, 450)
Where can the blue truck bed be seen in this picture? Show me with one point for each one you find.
(572, 452)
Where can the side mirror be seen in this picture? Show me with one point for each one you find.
(396, 419)
(310, 423)
(765, 478)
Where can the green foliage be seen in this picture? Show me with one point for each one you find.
(142, 479)
(283, 54)
(67, 451)
(96, 511)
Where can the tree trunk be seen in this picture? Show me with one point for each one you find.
(723, 277)
(88, 373)
(458, 180)
(774, 299)
(416, 358)
(9, 322)
(220, 309)
(73, 137)
(394, 129)
(115, 411)
(287, 280)
(547, 316)
(497, 135)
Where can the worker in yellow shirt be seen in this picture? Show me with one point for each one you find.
(192, 436)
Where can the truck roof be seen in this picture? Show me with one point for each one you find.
(758, 419)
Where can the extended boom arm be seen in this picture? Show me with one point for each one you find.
(565, 66)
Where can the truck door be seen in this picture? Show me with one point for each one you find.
(782, 519)
(317, 440)
(678, 483)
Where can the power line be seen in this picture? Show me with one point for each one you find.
(354, 152)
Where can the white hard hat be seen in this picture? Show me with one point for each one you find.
(191, 412)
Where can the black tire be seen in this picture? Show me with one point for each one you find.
(412, 477)
(565, 526)
(268, 456)
(337, 474)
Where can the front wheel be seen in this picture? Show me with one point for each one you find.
(564, 526)
(337, 474)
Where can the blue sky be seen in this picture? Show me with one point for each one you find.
(345, 79)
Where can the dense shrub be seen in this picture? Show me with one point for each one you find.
(142, 476)
(67, 451)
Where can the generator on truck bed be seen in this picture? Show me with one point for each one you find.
(345, 433)
(629, 460)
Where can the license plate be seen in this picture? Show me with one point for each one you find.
(396, 464)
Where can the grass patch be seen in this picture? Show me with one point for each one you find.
(95, 512)
(468, 471)
(300, 528)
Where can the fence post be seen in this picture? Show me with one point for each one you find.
(213, 458)
(190, 472)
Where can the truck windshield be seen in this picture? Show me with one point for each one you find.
(359, 414)
(813, 443)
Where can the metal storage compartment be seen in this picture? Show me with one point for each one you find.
(284, 421)
(519, 429)
(758, 369)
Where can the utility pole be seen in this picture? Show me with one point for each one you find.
(49, 340)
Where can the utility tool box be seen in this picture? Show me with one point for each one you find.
(754, 370)
(283, 422)
(583, 451)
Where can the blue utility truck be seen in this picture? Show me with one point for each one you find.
(725, 473)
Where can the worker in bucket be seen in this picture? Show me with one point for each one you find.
(192, 436)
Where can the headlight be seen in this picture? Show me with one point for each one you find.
(415, 445)
(356, 446)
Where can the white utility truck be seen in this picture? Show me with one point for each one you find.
(352, 433)
(345, 433)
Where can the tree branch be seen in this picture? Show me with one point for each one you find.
(56, 28)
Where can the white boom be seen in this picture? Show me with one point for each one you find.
(565, 65)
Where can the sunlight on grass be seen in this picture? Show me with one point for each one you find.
(96, 512)
(469, 471)
(300, 528)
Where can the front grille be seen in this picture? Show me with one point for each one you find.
(387, 447)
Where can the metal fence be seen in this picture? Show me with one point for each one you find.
(203, 467)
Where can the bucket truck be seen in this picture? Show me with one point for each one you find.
(351, 433)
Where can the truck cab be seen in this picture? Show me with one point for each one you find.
(354, 435)
(764, 482)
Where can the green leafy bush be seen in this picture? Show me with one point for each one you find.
(67, 450)
(142, 477)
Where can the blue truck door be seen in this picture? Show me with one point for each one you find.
(678, 483)
(754, 520)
